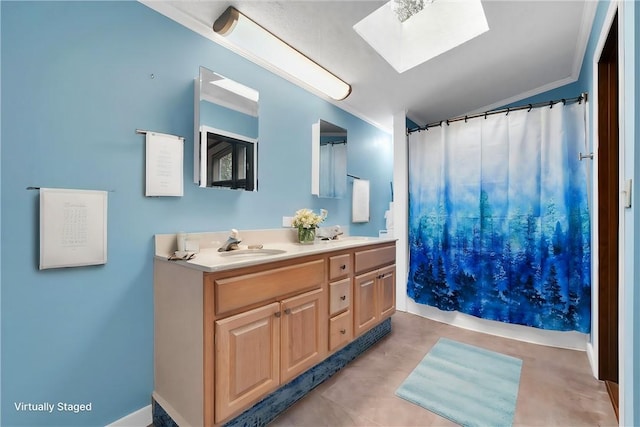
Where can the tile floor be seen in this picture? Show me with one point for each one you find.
(556, 385)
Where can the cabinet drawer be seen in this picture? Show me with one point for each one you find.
(339, 266)
(245, 290)
(374, 258)
(339, 296)
(340, 330)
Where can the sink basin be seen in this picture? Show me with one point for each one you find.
(249, 253)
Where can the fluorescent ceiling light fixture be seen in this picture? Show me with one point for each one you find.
(439, 26)
(260, 44)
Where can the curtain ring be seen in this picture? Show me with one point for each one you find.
(485, 115)
(508, 109)
(447, 122)
(530, 107)
(465, 119)
(550, 104)
(564, 101)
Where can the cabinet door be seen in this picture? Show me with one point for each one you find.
(387, 291)
(304, 333)
(365, 311)
(247, 359)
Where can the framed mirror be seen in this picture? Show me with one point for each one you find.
(328, 160)
(225, 133)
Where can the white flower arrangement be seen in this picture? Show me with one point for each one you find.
(306, 218)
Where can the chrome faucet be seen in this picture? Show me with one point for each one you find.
(231, 243)
(330, 233)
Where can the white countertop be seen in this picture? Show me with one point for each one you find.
(210, 260)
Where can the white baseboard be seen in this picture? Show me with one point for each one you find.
(570, 340)
(140, 418)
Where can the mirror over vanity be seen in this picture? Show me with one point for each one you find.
(329, 160)
(226, 133)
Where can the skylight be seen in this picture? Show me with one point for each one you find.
(407, 33)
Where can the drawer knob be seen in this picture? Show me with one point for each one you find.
(343, 331)
(287, 311)
(343, 297)
(277, 314)
(343, 267)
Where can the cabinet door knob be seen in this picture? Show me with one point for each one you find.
(343, 267)
(343, 297)
(343, 331)
(277, 314)
(287, 311)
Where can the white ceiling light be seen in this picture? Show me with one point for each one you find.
(428, 29)
(259, 43)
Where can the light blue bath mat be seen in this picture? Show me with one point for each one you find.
(470, 386)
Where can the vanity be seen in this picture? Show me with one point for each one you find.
(241, 336)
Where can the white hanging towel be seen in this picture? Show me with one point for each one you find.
(164, 165)
(73, 227)
(360, 199)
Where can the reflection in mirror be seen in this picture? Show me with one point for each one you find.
(226, 133)
(329, 160)
(228, 161)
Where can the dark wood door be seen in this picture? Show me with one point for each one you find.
(608, 211)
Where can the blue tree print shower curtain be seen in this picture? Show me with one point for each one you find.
(498, 218)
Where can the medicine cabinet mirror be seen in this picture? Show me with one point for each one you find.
(329, 160)
(226, 133)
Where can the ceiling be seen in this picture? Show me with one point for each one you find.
(531, 47)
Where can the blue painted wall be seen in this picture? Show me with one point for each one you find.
(76, 83)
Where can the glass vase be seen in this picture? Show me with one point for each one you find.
(306, 236)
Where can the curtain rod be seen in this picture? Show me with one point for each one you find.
(550, 104)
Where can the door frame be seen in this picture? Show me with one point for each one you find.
(609, 163)
(592, 347)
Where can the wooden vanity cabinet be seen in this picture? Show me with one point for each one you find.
(224, 340)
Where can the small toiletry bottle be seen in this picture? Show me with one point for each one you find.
(181, 238)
